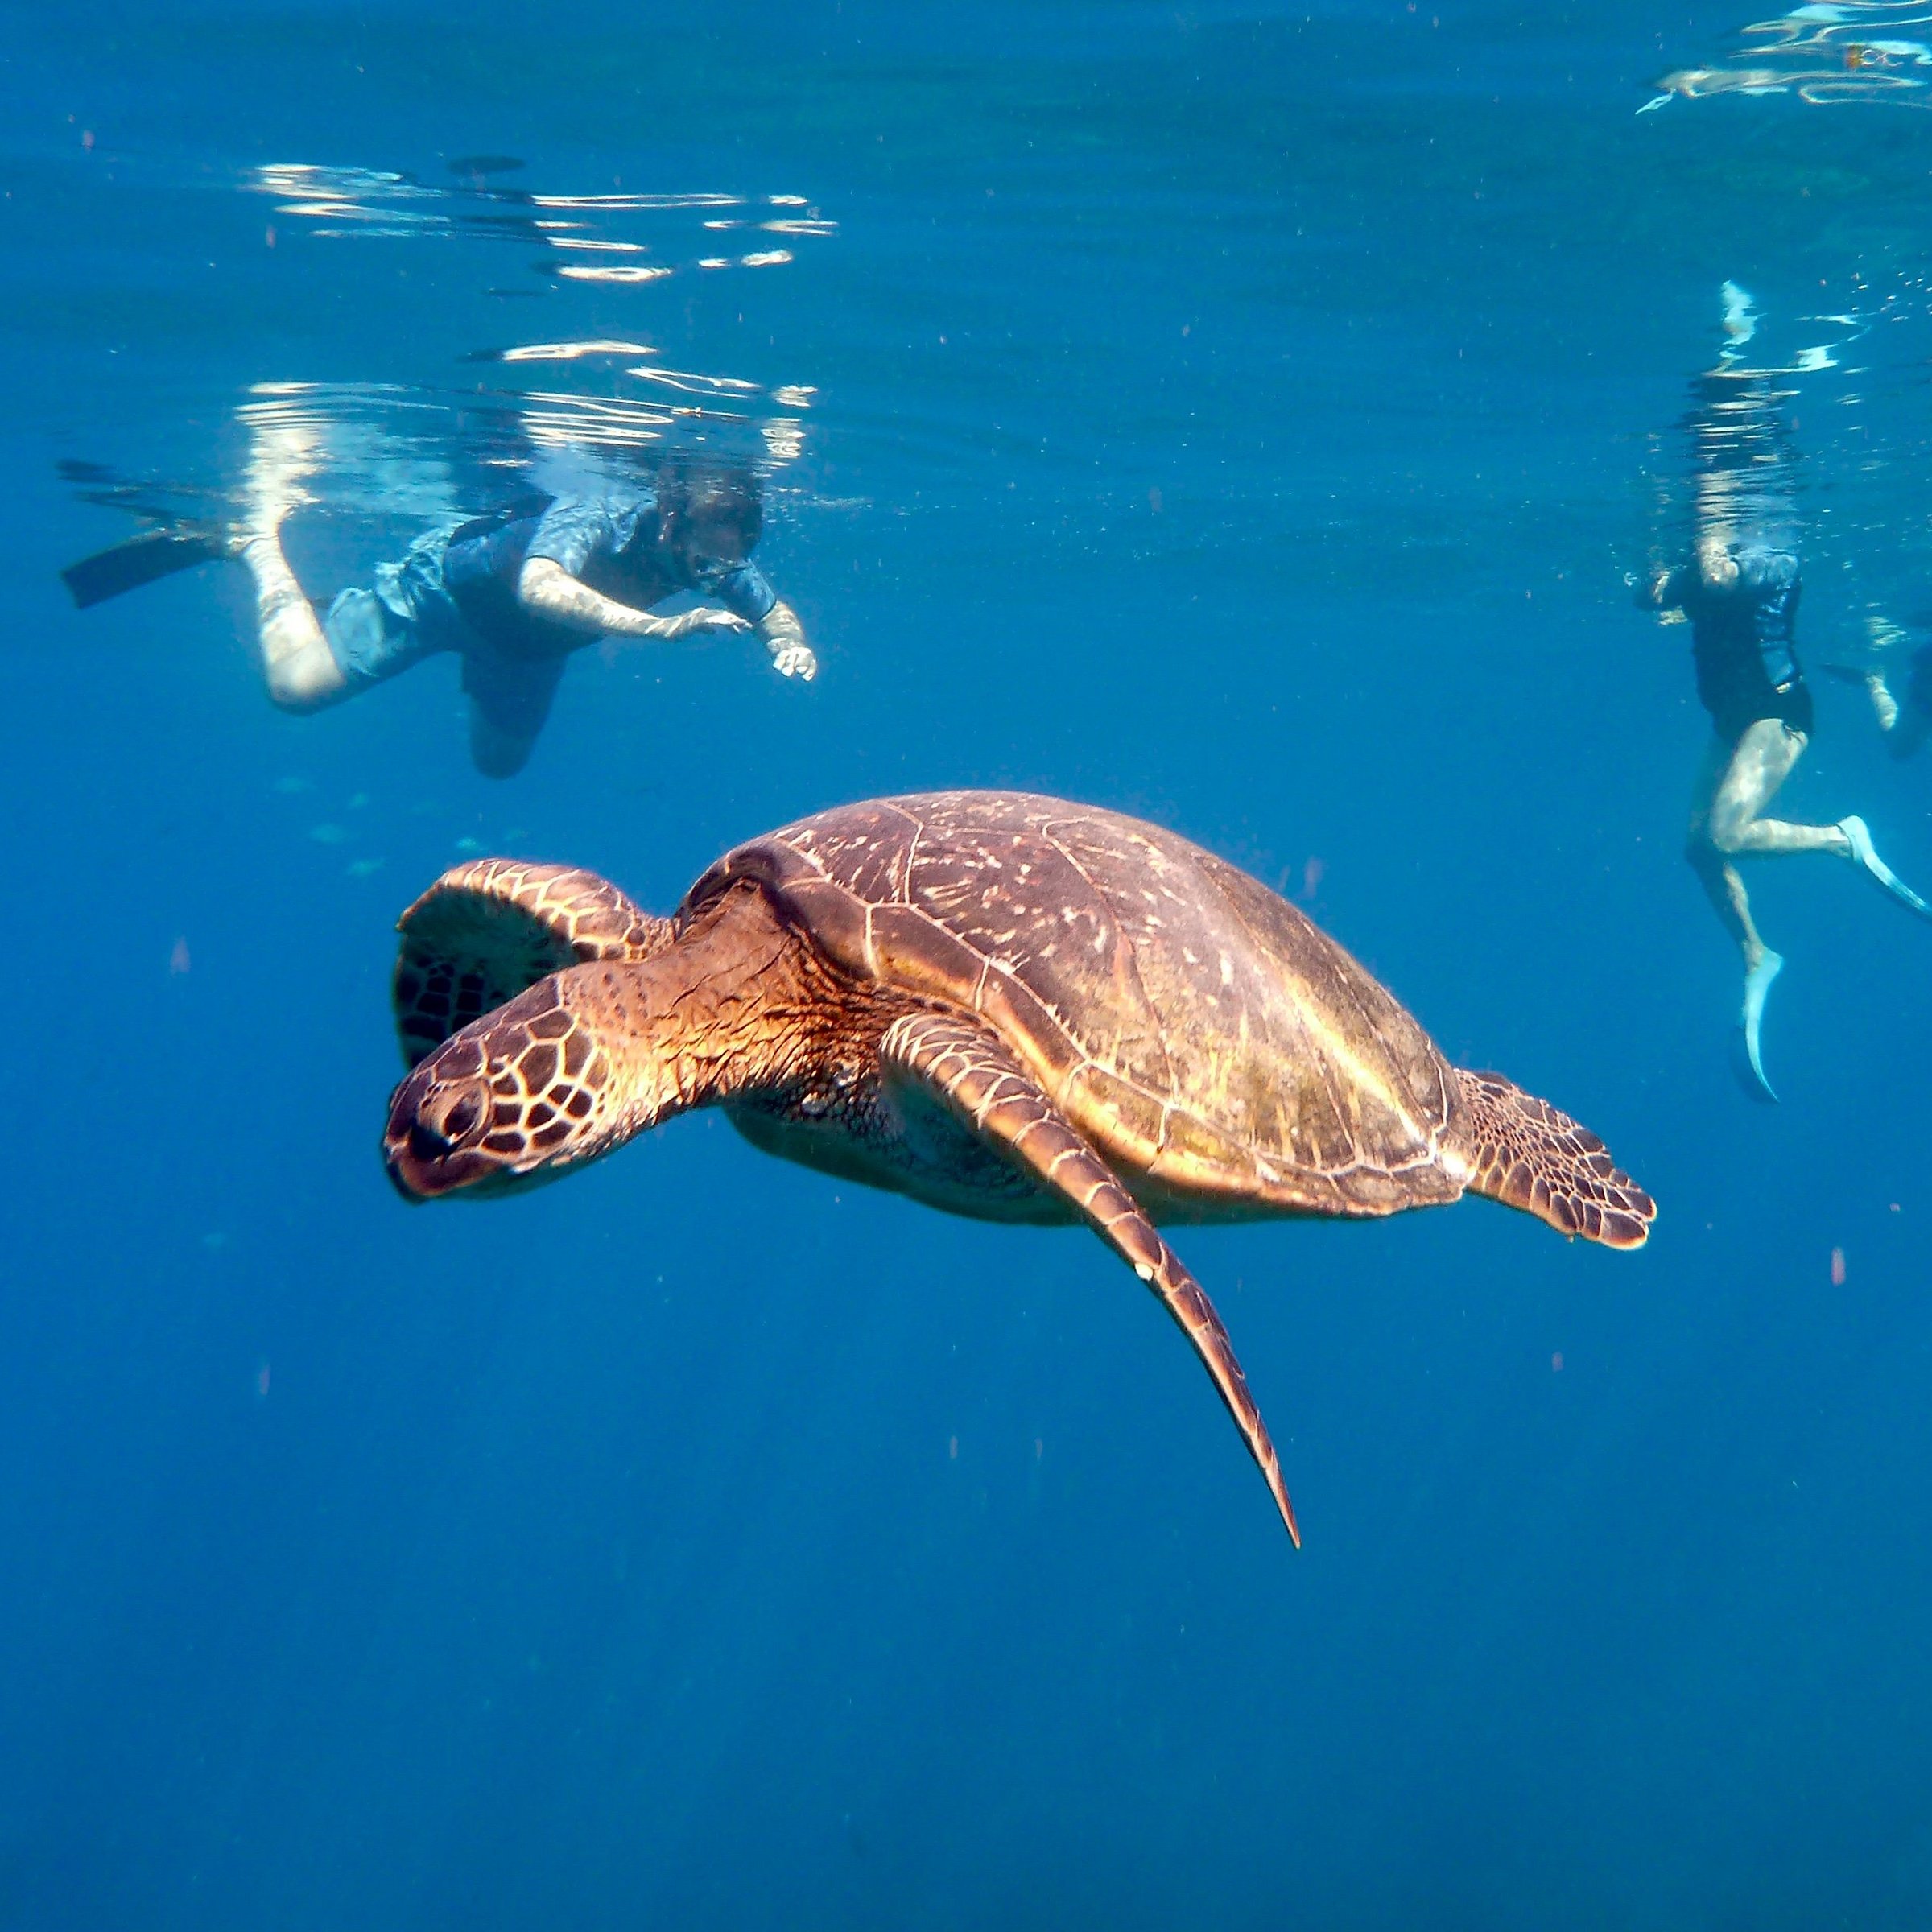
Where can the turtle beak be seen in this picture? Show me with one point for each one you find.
(437, 1120)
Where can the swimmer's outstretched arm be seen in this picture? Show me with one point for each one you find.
(549, 590)
(791, 656)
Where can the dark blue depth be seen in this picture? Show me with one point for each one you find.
(1241, 416)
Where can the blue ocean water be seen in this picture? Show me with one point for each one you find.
(1241, 415)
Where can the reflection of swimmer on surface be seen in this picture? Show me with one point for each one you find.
(1740, 592)
(513, 593)
(1827, 55)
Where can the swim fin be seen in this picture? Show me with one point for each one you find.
(1757, 987)
(143, 559)
(1858, 833)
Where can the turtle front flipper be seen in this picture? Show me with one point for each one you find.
(589, 1056)
(486, 930)
(981, 1082)
(1522, 1152)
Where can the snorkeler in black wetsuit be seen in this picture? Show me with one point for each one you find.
(1740, 594)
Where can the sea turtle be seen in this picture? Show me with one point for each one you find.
(1004, 1006)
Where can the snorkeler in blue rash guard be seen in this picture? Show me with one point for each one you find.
(1740, 592)
(513, 593)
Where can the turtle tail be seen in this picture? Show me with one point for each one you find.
(1522, 1152)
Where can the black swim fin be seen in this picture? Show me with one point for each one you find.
(141, 560)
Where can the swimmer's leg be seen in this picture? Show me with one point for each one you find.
(297, 665)
(1762, 761)
(1710, 860)
(1725, 889)
(1913, 724)
(509, 699)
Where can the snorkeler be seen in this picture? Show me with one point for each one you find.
(514, 593)
(1906, 723)
(1740, 592)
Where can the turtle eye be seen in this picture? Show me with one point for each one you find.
(432, 1145)
(447, 1118)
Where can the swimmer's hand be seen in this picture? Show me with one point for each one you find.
(791, 656)
(1655, 590)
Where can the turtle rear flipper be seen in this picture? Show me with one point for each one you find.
(487, 931)
(1522, 1152)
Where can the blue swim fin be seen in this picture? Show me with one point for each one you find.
(1860, 834)
(1757, 987)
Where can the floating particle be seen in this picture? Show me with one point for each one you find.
(293, 783)
(952, 1448)
(467, 844)
(1838, 1267)
(178, 960)
(361, 868)
(1556, 1363)
(1312, 879)
(261, 1383)
(326, 834)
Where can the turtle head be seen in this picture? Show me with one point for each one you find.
(590, 1054)
(510, 1101)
